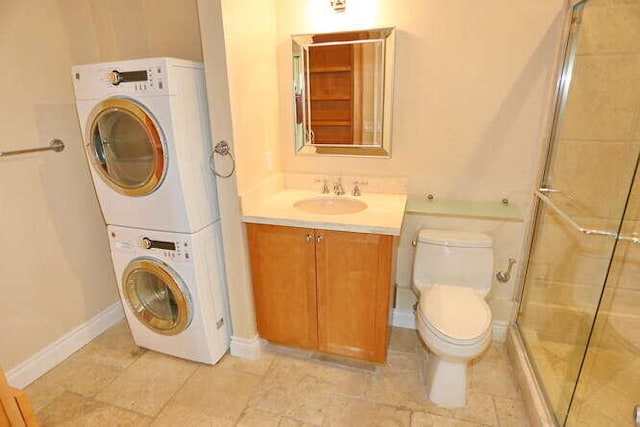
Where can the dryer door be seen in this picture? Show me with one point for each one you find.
(126, 147)
(157, 296)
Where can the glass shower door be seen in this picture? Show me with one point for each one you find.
(609, 386)
(588, 176)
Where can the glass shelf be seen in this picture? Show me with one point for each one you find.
(462, 208)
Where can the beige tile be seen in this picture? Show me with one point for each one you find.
(256, 418)
(294, 388)
(404, 390)
(422, 419)
(491, 373)
(352, 412)
(600, 105)
(302, 389)
(107, 356)
(42, 392)
(215, 393)
(148, 383)
(118, 337)
(405, 340)
(591, 416)
(480, 409)
(290, 422)
(275, 390)
(615, 404)
(73, 410)
(403, 362)
(256, 367)
(309, 404)
(511, 412)
(84, 378)
(610, 29)
(573, 159)
(178, 416)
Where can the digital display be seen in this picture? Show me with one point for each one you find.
(133, 76)
(168, 246)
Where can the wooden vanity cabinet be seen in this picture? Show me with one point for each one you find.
(284, 287)
(324, 290)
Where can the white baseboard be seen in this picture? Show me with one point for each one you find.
(245, 348)
(50, 356)
(500, 330)
(406, 319)
(403, 319)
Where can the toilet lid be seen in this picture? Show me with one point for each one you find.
(455, 311)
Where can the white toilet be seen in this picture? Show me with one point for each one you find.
(452, 271)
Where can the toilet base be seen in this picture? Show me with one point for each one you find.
(446, 381)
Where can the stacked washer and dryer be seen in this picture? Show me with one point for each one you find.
(146, 133)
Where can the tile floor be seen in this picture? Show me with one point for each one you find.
(112, 382)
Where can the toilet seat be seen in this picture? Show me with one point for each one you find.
(456, 314)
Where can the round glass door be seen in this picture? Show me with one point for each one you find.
(125, 145)
(157, 296)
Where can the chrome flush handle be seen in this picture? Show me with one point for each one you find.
(505, 276)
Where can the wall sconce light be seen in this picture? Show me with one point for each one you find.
(338, 5)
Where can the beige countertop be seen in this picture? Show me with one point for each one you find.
(383, 215)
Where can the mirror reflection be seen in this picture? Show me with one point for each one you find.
(342, 92)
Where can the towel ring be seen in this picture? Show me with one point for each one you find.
(223, 149)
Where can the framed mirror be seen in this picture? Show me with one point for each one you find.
(343, 92)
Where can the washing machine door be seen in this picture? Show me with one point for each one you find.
(126, 147)
(157, 296)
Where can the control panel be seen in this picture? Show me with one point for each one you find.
(151, 79)
(178, 250)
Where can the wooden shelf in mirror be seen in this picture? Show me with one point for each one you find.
(343, 85)
(331, 69)
(330, 123)
(331, 98)
(333, 81)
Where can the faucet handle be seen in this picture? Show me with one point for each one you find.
(337, 187)
(356, 190)
(356, 187)
(325, 186)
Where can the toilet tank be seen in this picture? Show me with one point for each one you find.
(457, 258)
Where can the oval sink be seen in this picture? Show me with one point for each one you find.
(330, 205)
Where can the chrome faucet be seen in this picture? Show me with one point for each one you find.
(338, 190)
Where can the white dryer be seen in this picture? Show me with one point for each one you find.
(172, 290)
(145, 125)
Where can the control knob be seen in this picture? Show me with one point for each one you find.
(146, 243)
(114, 77)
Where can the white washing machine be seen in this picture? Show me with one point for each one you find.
(172, 290)
(145, 125)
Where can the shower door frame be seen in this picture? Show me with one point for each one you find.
(564, 75)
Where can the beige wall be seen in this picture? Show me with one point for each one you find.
(242, 101)
(473, 93)
(56, 270)
(250, 37)
(472, 96)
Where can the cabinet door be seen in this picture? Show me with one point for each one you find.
(284, 284)
(354, 278)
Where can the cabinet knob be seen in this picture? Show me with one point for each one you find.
(319, 238)
(308, 238)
